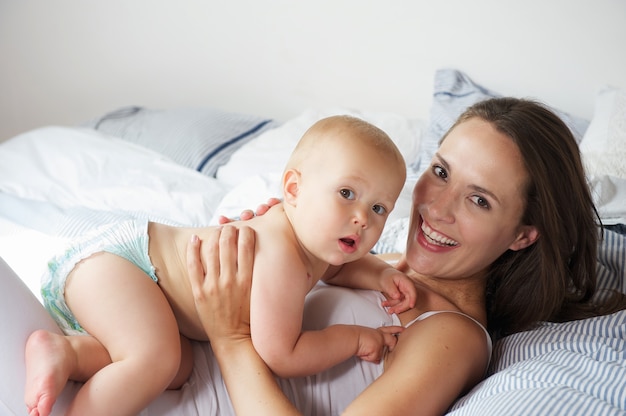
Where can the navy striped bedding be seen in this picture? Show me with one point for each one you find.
(202, 139)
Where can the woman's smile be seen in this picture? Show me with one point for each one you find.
(436, 238)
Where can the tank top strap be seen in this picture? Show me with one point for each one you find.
(431, 313)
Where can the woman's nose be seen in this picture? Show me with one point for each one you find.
(442, 205)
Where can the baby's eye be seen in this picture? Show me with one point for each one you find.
(480, 201)
(440, 172)
(379, 209)
(346, 193)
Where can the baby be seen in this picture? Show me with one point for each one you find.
(339, 186)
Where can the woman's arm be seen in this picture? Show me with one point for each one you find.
(222, 298)
(435, 361)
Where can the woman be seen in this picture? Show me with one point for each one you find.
(503, 234)
(503, 230)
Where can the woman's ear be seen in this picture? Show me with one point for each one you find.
(527, 236)
(291, 184)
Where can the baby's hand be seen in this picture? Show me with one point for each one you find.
(399, 289)
(374, 342)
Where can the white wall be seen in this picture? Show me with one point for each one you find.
(65, 61)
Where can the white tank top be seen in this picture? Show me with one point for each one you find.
(331, 391)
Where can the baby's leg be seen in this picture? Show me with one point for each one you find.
(128, 313)
(52, 359)
(186, 364)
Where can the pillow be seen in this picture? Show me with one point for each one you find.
(79, 167)
(604, 145)
(198, 138)
(453, 92)
(569, 367)
(255, 170)
(603, 150)
(269, 152)
(564, 369)
(611, 265)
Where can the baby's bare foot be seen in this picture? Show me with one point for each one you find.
(47, 371)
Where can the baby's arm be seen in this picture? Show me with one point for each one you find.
(277, 304)
(370, 272)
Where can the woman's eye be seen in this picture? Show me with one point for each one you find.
(480, 201)
(440, 172)
(379, 209)
(347, 194)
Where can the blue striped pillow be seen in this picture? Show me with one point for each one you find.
(202, 139)
(571, 368)
(453, 92)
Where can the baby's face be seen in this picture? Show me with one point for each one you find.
(346, 194)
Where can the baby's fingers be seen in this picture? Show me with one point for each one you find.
(397, 305)
(390, 335)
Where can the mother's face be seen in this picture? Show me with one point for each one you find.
(468, 205)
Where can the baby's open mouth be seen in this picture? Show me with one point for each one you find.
(348, 241)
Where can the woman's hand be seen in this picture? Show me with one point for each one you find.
(222, 294)
(248, 213)
(222, 297)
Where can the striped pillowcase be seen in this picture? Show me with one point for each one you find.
(572, 368)
(202, 139)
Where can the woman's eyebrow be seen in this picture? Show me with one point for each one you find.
(443, 161)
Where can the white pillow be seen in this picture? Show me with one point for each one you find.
(80, 167)
(269, 152)
(254, 171)
(603, 150)
(604, 144)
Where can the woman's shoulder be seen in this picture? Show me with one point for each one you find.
(441, 355)
(449, 335)
(458, 321)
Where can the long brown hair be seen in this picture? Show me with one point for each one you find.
(554, 279)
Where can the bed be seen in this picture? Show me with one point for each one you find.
(188, 165)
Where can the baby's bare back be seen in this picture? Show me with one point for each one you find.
(167, 250)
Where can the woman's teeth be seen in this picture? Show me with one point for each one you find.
(436, 238)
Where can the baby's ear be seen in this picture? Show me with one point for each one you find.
(291, 183)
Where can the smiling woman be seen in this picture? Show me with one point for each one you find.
(558, 211)
(460, 203)
(487, 245)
